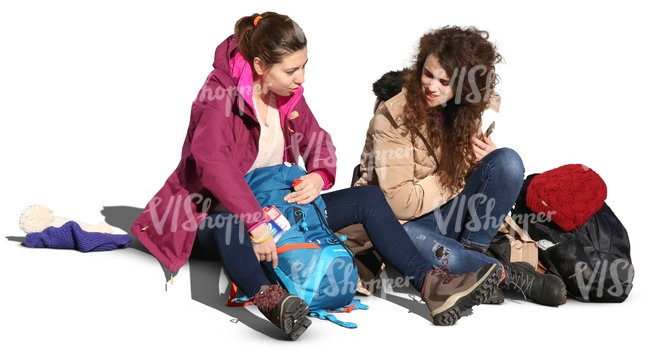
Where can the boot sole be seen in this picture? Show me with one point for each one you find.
(295, 318)
(495, 299)
(450, 312)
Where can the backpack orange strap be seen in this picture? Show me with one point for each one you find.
(233, 294)
(288, 247)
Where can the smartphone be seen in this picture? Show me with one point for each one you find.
(489, 130)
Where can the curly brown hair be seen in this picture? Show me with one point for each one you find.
(469, 59)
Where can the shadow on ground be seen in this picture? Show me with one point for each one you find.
(412, 303)
(209, 283)
(211, 286)
(123, 217)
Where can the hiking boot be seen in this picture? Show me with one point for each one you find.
(448, 295)
(496, 297)
(545, 289)
(284, 310)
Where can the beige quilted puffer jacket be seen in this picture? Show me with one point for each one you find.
(399, 163)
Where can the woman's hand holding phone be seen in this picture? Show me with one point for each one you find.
(484, 145)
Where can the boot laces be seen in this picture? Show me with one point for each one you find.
(447, 276)
(267, 299)
(520, 281)
(444, 273)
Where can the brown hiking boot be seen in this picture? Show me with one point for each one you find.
(284, 310)
(448, 295)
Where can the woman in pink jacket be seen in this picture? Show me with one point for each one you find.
(251, 113)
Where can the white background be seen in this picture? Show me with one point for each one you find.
(94, 106)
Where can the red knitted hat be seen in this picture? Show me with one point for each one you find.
(568, 195)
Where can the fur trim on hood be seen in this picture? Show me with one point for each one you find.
(389, 85)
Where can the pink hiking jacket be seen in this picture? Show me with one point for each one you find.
(220, 147)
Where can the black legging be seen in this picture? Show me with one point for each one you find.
(366, 205)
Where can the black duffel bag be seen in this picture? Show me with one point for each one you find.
(593, 259)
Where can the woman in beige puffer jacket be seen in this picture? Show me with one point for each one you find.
(450, 187)
(447, 182)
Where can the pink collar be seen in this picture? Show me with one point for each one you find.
(242, 72)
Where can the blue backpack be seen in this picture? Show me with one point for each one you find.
(313, 262)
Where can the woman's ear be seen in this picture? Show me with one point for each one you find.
(258, 66)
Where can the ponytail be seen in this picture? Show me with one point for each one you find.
(269, 36)
(243, 32)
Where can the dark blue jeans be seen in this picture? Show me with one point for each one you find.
(473, 217)
(224, 237)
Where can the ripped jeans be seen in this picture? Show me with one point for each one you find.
(453, 235)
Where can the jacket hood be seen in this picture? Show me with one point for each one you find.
(224, 52)
(228, 59)
(389, 85)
